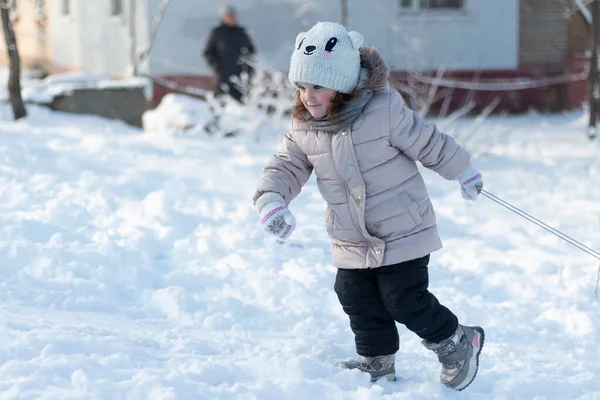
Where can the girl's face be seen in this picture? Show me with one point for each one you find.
(315, 98)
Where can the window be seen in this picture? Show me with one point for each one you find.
(116, 7)
(66, 7)
(417, 5)
(437, 4)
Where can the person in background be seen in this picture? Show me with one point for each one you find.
(226, 50)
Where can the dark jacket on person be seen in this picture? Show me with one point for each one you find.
(225, 49)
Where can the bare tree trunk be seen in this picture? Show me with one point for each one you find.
(14, 75)
(593, 73)
(133, 39)
(345, 13)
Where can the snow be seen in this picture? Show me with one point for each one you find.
(43, 91)
(132, 266)
(177, 113)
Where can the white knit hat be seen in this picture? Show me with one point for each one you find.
(327, 55)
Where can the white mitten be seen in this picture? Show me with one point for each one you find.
(471, 183)
(277, 219)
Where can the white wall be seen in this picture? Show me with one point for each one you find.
(272, 24)
(105, 47)
(92, 40)
(63, 32)
(485, 37)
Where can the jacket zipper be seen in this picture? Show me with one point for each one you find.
(348, 190)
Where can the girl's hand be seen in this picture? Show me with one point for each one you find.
(471, 183)
(277, 219)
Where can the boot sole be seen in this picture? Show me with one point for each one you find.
(390, 377)
(472, 373)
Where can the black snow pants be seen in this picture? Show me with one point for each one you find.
(375, 298)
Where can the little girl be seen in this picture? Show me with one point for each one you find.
(362, 142)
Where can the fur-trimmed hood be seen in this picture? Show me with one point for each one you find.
(373, 78)
(377, 70)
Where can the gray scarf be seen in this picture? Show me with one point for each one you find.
(349, 112)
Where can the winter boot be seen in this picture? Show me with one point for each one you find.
(376, 366)
(459, 356)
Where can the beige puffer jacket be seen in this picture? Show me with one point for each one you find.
(378, 210)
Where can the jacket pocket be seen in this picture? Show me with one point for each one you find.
(329, 217)
(400, 219)
(412, 207)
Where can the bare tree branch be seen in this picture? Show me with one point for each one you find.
(14, 72)
(578, 7)
(584, 10)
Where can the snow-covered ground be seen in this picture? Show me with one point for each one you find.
(132, 266)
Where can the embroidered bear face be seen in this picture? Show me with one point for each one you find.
(327, 55)
(327, 38)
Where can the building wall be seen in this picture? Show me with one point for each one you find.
(482, 37)
(105, 39)
(272, 24)
(578, 35)
(30, 31)
(89, 39)
(63, 32)
(407, 40)
(543, 38)
(510, 34)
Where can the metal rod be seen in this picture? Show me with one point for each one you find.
(542, 225)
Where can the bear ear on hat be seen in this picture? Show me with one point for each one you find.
(356, 39)
(299, 39)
